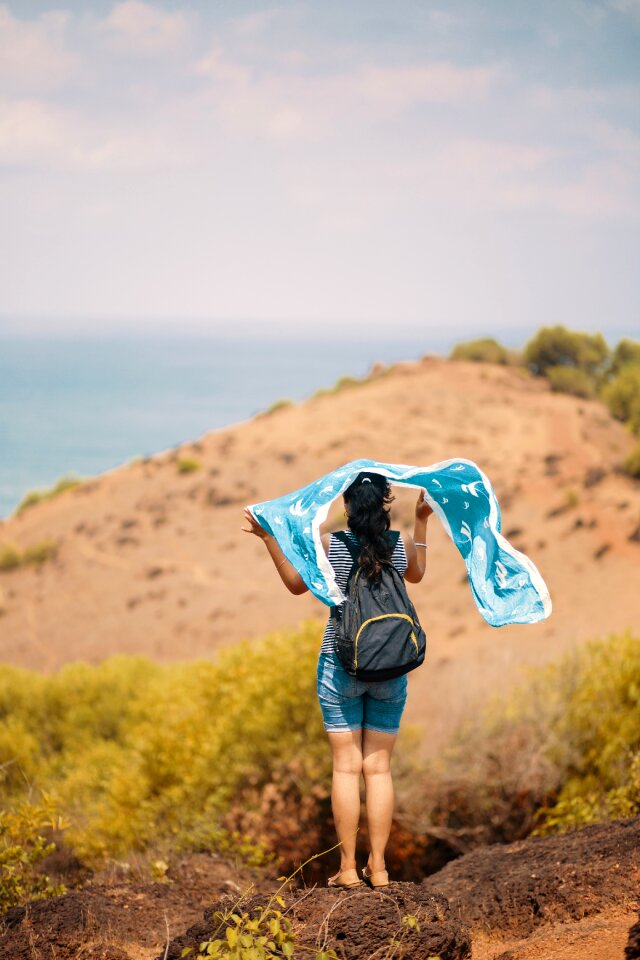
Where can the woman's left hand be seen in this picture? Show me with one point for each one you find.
(254, 527)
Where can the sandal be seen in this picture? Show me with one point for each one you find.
(379, 878)
(345, 878)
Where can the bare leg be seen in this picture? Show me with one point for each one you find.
(376, 766)
(345, 792)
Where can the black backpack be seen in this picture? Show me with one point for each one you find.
(378, 634)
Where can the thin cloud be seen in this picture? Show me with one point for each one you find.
(629, 7)
(140, 28)
(33, 53)
(300, 146)
(255, 24)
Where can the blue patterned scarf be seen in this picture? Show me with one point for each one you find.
(506, 584)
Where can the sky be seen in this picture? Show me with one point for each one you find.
(361, 168)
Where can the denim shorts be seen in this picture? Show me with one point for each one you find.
(351, 704)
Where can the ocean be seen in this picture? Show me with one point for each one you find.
(85, 405)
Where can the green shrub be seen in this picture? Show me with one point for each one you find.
(571, 380)
(596, 741)
(484, 350)
(626, 352)
(68, 482)
(558, 346)
(622, 396)
(560, 749)
(166, 751)
(631, 465)
(187, 464)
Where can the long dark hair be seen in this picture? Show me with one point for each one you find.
(368, 499)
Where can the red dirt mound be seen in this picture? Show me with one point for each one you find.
(518, 886)
(632, 949)
(507, 893)
(357, 924)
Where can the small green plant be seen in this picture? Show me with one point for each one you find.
(281, 404)
(11, 557)
(267, 935)
(342, 383)
(187, 464)
(68, 482)
(22, 846)
(159, 870)
(571, 499)
(631, 465)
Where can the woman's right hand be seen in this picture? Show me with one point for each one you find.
(254, 527)
(423, 508)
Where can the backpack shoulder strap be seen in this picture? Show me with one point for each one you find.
(393, 536)
(352, 546)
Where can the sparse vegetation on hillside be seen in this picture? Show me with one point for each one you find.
(187, 464)
(345, 383)
(12, 557)
(68, 482)
(281, 404)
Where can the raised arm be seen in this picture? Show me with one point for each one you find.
(415, 546)
(286, 571)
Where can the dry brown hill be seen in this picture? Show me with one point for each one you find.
(151, 560)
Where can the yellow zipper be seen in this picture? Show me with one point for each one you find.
(382, 616)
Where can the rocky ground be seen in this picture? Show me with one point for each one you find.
(568, 897)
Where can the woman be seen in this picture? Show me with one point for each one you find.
(361, 718)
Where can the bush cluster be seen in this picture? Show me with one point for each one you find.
(135, 753)
(36, 496)
(577, 363)
(231, 756)
(561, 750)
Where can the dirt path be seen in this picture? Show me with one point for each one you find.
(600, 937)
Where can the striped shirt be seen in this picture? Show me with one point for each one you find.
(340, 560)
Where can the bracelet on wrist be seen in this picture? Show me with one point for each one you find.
(425, 545)
(282, 562)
